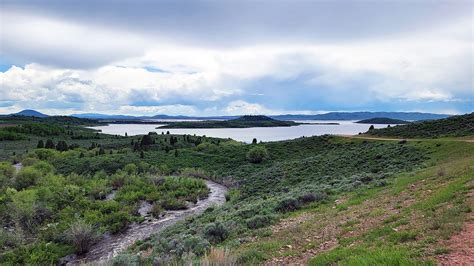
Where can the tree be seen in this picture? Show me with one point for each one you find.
(136, 147)
(101, 151)
(40, 144)
(254, 141)
(49, 144)
(146, 140)
(167, 132)
(142, 154)
(126, 135)
(371, 127)
(61, 146)
(175, 153)
(257, 154)
(132, 142)
(81, 155)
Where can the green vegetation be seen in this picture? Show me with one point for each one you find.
(382, 120)
(454, 126)
(365, 201)
(40, 206)
(241, 122)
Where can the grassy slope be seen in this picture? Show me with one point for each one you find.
(404, 222)
(455, 126)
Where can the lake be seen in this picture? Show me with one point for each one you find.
(247, 134)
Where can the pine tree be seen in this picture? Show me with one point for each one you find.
(49, 144)
(61, 146)
(371, 127)
(254, 141)
(40, 144)
(146, 140)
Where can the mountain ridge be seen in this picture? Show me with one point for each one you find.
(408, 116)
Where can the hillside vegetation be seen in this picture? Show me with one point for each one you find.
(382, 120)
(455, 126)
(318, 200)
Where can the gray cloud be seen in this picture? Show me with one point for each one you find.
(227, 23)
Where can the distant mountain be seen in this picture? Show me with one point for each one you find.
(383, 120)
(251, 118)
(30, 113)
(103, 116)
(409, 116)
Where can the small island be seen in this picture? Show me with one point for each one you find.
(383, 120)
(245, 121)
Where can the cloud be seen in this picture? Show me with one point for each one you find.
(30, 38)
(273, 61)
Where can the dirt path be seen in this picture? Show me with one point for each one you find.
(111, 245)
(461, 246)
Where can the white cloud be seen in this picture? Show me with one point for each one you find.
(432, 66)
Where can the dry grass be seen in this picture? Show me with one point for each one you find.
(217, 256)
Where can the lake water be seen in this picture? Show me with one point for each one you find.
(247, 134)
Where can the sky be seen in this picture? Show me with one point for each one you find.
(182, 57)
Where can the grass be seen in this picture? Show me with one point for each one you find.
(400, 224)
(364, 256)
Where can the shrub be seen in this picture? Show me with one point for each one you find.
(156, 210)
(215, 232)
(312, 197)
(259, 221)
(27, 177)
(117, 221)
(126, 259)
(130, 168)
(287, 205)
(196, 245)
(173, 204)
(251, 257)
(257, 154)
(82, 236)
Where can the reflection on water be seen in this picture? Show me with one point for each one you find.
(247, 134)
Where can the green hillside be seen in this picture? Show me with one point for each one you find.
(382, 120)
(455, 126)
(241, 122)
(318, 200)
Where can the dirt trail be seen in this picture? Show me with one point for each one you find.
(461, 246)
(111, 245)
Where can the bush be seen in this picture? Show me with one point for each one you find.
(251, 257)
(216, 232)
(126, 259)
(156, 210)
(259, 221)
(173, 204)
(312, 197)
(117, 221)
(196, 245)
(82, 236)
(27, 177)
(287, 205)
(257, 154)
(130, 169)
